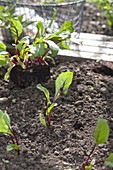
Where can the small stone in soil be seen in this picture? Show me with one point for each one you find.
(66, 150)
(56, 153)
(103, 89)
(3, 99)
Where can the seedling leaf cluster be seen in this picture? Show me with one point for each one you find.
(5, 127)
(101, 136)
(62, 83)
(27, 51)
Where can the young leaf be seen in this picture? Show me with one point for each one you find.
(24, 40)
(101, 133)
(50, 108)
(16, 27)
(64, 80)
(109, 160)
(2, 46)
(4, 122)
(2, 60)
(22, 64)
(11, 147)
(40, 49)
(65, 35)
(89, 167)
(58, 37)
(53, 18)
(63, 45)
(42, 120)
(41, 29)
(45, 91)
(67, 26)
(1, 8)
(8, 73)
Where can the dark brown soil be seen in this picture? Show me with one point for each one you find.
(66, 144)
(32, 75)
(94, 21)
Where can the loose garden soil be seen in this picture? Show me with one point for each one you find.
(67, 143)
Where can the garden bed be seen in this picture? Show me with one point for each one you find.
(66, 144)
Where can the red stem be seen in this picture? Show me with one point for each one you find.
(14, 139)
(89, 156)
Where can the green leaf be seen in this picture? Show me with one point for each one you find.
(59, 37)
(2, 46)
(8, 73)
(63, 45)
(109, 160)
(64, 80)
(54, 47)
(1, 8)
(24, 40)
(41, 29)
(50, 108)
(42, 120)
(45, 91)
(20, 17)
(101, 133)
(16, 28)
(11, 147)
(65, 35)
(67, 26)
(110, 22)
(40, 49)
(54, 37)
(4, 122)
(53, 18)
(2, 60)
(22, 64)
(89, 167)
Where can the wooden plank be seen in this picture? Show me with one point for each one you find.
(87, 40)
(94, 46)
(83, 55)
(98, 37)
(104, 44)
(92, 49)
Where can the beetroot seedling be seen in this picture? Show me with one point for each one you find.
(6, 128)
(62, 82)
(101, 135)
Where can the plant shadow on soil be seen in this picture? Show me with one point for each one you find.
(65, 145)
